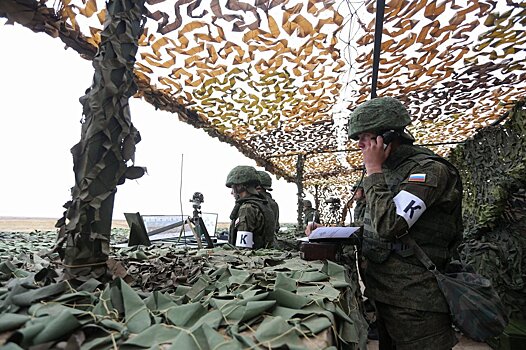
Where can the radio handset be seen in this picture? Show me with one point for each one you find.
(389, 136)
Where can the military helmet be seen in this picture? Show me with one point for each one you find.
(242, 174)
(307, 203)
(377, 115)
(264, 179)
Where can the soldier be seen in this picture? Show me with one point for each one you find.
(310, 213)
(359, 209)
(252, 221)
(358, 216)
(264, 188)
(409, 190)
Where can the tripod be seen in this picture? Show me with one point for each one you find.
(197, 220)
(199, 224)
(333, 218)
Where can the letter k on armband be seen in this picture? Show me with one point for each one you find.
(409, 206)
(245, 239)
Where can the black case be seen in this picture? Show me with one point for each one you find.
(320, 251)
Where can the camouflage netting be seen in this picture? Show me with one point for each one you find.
(278, 78)
(493, 168)
(171, 298)
(104, 157)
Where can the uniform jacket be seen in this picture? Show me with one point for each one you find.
(311, 214)
(253, 214)
(275, 208)
(359, 212)
(394, 276)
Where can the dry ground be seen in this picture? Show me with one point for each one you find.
(22, 224)
(27, 224)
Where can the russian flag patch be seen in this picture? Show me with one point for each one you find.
(417, 178)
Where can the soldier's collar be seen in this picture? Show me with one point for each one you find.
(252, 197)
(401, 153)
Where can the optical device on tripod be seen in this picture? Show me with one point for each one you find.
(334, 210)
(334, 204)
(197, 219)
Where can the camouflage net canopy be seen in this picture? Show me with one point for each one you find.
(278, 78)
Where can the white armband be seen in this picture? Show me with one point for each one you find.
(409, 206)
(244, 239)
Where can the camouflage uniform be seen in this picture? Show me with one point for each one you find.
(436, 231)
(266, 184)
(252, 212)
(418, 193)
(309, 213)
(275, 209)
(359, 212)
(358, 219)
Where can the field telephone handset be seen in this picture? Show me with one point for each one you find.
(389, 136)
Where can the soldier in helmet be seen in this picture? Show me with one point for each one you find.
(359, 209)
(409, 190)
(310, 213)
(264, 188)
(252, 220)
(358, 198)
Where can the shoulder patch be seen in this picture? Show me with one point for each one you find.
(417, 178)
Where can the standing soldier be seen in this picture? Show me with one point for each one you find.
(310, 213)
(357, 221)
(358, 198)
(265, 186)
(410, 191)
(252, 221)
(359, 209)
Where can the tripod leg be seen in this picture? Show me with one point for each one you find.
(202, 229)
(196, 235)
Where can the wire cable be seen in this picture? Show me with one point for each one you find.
(181, 196)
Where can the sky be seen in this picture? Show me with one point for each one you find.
(40, 113)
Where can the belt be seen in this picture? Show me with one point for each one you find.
(404, 250)
(399, 248)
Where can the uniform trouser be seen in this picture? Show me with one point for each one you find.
(407, 329)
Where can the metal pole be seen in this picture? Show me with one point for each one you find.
(378, 27)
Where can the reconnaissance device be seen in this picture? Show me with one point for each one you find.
(197, 219)
(197, 199)
(334, 210)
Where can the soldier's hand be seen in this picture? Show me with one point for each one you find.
(311, 226)
(374, 155)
